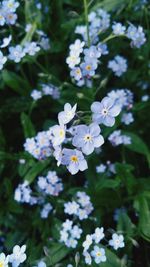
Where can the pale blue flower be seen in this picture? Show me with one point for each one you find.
(76, 73)
(105, 111)
(102, 48)
(31, 48)
(2, 18)
(10, 18)
(118, 28)
(41, 264)
(137, 35)
(87, 138)
(98, 254)
(36, 94)
(74, 160)
(88, 67)
(47, 208)
(127, 118)
(16, 53)
(91, 53)
(101, 168)
(117, 241)
(118, 65)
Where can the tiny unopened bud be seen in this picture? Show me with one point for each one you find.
(77, 258)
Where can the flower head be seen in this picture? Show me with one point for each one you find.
(87, 138)
(105, 111)
(117, 241)
(74, 160)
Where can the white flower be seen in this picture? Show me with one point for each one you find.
(2, 60)
(88, 259)
(68, 114)
(4, 260)
(117, 241)
(98, 235)
(77, 47)
(86, 244)
(73, 60)
(6, 41)
(35, 94)
(18, 256)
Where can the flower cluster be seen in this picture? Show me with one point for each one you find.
(136, 35)
(83, 62)
(23, 194)
(8, 12)
(99, 21)
(116, 138)
(97, 252)
(15, 259)
(46, 90)
(51, 184)
(70, 234)
(16, 53)
(123, 98)
(83, 59)
(80, 207)
(84, 138)
(39, 146)
(118, 65)
(108, 168)
(47, 208)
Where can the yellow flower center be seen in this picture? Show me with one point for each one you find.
(77, 71)
(87, 137)
(98, 254)
(61, 133)
(1, 17)
(69, 114)
(1, 264)
(88, 67)
(74, 158)
(10, 4)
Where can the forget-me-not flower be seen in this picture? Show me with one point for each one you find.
(105, 111)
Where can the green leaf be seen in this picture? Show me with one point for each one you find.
(124, 224)
(37, 168)
(15, 82)
(144, 217)
(107, 183)
(28, 127)
(124, 172)
(112, 260)
(55, 253)
(138, 145)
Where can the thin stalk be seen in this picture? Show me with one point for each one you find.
(86, 20)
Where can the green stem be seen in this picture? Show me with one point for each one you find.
(86, 20)
(112, 36)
